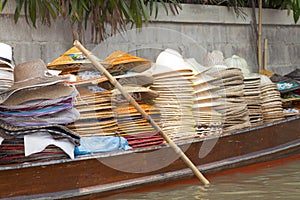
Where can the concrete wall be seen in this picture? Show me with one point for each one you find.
(195, 31)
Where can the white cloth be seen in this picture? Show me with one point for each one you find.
(37, 142)
(1, 140)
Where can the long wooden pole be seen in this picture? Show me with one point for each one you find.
(259, 48)
(265, 53)
(131, 100)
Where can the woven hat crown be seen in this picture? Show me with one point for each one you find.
(30, 70)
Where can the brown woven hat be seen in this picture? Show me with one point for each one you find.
(120, 61)
(31, 74)
(40, 93)
(134, 79)
(138, 93)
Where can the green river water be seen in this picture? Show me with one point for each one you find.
(275, 180)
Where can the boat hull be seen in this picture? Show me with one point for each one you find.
(103, 174)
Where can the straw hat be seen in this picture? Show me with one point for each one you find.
(30, 75)
(69, 59)
(41, 93)
(6, 55)
(138, 93)
(6, 67)
(119, 61)
(170, 61)
(133, 79)
(214, 57)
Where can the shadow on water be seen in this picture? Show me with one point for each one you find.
(276, 180)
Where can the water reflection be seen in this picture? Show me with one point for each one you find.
(269, 182)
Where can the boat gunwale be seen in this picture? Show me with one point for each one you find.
(145, 149)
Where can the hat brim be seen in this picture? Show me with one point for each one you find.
(38, 93)
(7, 63)
(32, 83)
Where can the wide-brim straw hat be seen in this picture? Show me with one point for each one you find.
(121, 62)
(138, 93)
(203, 78)
(164, 72)
(131, 79)
(72, 58)
(40, 94)
(30, 75)
(170, 62)
(6, 55)
(215, 69)
(172, 59)
(252, 76)
(230, 72)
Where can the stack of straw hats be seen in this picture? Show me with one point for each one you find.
(36, 109)
(252, 94)
(129, 71)
(6, 67)
(172, 80)
(233, 106)
(271, 101)
(208, 120)
(130, 120)
(37, 97)
(251, 90)
(94, 102)
(96, 113)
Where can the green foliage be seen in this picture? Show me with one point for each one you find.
(114, 15)
(237, 5)
(290, 5)
(101, 14)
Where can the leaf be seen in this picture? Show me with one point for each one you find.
(126, 10)
(144, 10)
(2, 5)
(296, 11)
(19, 5)
(164, 5)
(41, 9)
(26, 8)
(156, 9)
(50, 9)
(55, 4)
(151, 7)
(32, 12)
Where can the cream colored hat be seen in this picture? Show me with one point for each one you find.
(6, 55)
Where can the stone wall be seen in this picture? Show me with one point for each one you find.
(195, 31)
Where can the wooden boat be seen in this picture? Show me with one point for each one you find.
(107, 173)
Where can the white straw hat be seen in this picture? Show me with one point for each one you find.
(6, 55)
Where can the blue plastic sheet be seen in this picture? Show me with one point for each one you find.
(98, 144)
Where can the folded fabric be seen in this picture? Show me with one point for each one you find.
(285, 84)
(37, 142)
(12, 151)
(57, 131)
(291, 96)
(294, 74)
(63, 117)
(51, 109)
(100, 144)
